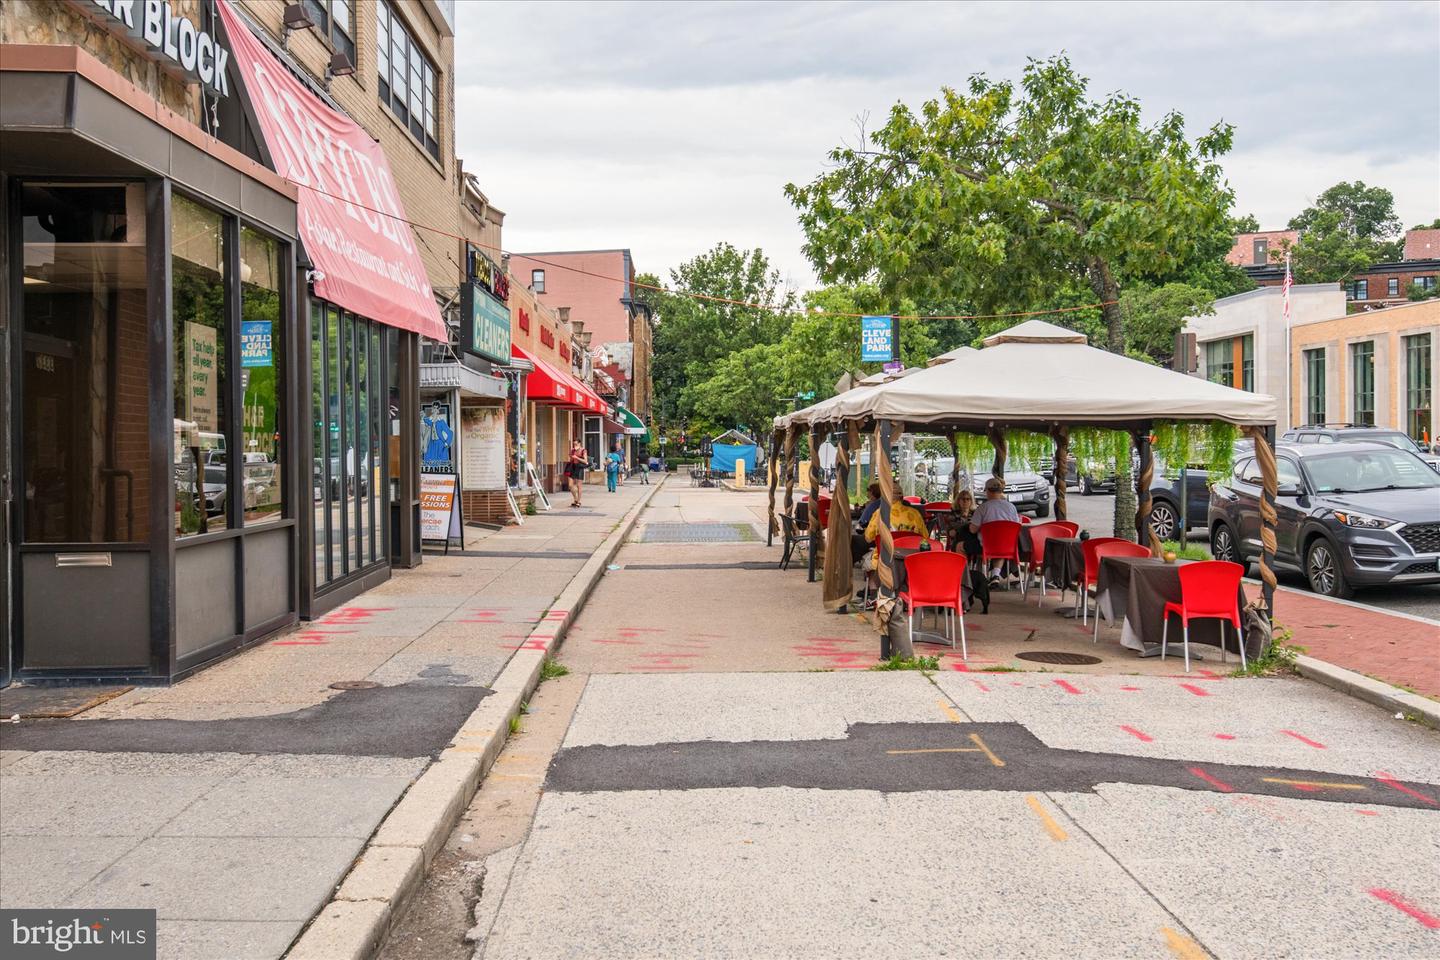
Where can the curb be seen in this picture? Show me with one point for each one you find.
(1370, 690)
(353, 925)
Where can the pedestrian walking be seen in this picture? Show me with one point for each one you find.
(612, 469)
(578, 461)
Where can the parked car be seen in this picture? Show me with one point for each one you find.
(1347, 433)
(1165, 502)
(1350, 515)
(1027, 489)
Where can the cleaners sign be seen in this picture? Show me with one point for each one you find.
(170, 37)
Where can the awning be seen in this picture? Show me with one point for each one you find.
(351, 220)
(634, 426)
(549, 384)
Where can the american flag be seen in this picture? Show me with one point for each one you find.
(1285, 290)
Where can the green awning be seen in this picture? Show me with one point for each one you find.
(634, 426)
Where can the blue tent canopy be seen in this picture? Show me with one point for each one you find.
(724, 455)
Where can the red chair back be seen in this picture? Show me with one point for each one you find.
(824, 513)
(938, 545)
(1211, 588)
(1092, 560)
(934, 578)
(1000, 540)
(1041, 532)
(906, 541)
(913, 501)
(938, 506)
(1118, 548)
(1024, 520)
(1071, 528)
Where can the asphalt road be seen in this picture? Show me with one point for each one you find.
(1097, 513)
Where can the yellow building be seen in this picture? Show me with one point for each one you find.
(1376, 368)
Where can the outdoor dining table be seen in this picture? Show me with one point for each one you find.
(1064, 562)
(1136, 590)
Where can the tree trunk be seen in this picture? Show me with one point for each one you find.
(1102, 282)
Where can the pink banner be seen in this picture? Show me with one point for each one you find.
(365, 261)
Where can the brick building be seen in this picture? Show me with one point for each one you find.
(1253, 250)
(598, 288)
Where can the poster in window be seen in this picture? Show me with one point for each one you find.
(483, 448)
(437, 439)
(199, 373)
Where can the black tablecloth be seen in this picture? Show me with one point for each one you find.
(1138, 588)
(1063, 562)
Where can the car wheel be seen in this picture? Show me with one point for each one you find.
(1163, 520)
(1224, 547)
(1323, 571)
(1042, 511)
(1087, 487)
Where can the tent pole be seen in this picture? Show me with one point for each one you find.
(775, 440)
(815, 539)
(838, 581)
(1144, 531)
(791, 435)
(1269, 479)
(1061, 436)
(997, 440)
(954, 467)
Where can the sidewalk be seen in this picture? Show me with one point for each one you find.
(235, 801)
(1400, 650)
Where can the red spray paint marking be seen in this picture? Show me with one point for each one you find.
(1016, 683)
(1140, 735)
(626, 643)
(1224, 736)
(353, 614)
(1194, 689)
(1220, 785)
(980, 685)
(556, 615)
(1068, 687)
(1131, 689)
(301, 643)
(1305, 740)
(538, 643)
(1400, 903)
(1394, 784)
(1367, 813)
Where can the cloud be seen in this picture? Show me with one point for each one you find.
(669, 127)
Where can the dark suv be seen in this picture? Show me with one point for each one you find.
(1348, 433)
(1349, 515)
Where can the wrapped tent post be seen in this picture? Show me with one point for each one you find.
(775, 440)
(954, 466)
(816, 537)
(791, 435)
(1061, 436)
(1144, 529)
(1269, 480)
(997, 440)
(838, 582)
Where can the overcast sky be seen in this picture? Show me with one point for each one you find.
(666, 127)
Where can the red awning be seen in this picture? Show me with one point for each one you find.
(351, 219)
(550, 384)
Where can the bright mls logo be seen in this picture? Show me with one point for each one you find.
(108, 934)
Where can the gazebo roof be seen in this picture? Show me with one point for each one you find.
(1035, 374)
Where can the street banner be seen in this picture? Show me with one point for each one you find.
(878, 339)
(439, 518)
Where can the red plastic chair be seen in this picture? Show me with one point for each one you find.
(1209, 590)
(934, 579)
(907, 541)
(913, 501)
(1000, 540)
(1024, 520)
(1090, 574)
(1039, 533)
(938, 506)
(824, 513)
(1113, 547)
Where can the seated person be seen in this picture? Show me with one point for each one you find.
(995, 507)
(899, 517)
(859, 546)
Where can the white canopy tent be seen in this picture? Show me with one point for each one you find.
(1044, 378)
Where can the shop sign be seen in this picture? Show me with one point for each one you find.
(879, 339)
(547, 337)
(255, 346)
(439, 516)
(170, 37)
(482, 448)
(437, 439)
(488, 274)
(487, 332)
(199, 371)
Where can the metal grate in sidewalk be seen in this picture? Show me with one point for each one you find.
(679, 532)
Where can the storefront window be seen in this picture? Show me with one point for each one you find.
(320, 457)
(1362, 383)
(83, 365)
(261, 375)
(201, 414)
(1417, 386)
(377, 387)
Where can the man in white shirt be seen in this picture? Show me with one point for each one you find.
(994, 507)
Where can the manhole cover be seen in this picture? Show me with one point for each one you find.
(1056, 656)
(368, 684)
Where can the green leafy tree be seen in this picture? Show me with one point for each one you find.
(1417, 292)
(1005, 195)
(1245, 224)
(1154, 315)
(1432, 225)
(1348, 228)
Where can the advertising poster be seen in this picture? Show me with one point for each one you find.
(439, 520)
(437, 438)
(483, 448)
(200, 376)
(255, 344)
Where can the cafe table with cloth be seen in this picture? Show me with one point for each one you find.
(1136, 589)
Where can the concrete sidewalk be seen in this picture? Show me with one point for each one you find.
(234, 802)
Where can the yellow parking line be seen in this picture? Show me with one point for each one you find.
(1182, 946)
(1315, 783)
(938, 750)
(975, 738)
(1056, 831)
(950, 712)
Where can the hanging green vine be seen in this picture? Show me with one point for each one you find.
(1098, 451)
(974, 450)
(1187, 444)
(1028, 448)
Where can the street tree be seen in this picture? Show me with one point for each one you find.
(1154, 315)
(1001, 194)
(1348, 228)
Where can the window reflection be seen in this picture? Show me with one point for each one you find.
(261, 374)
(201, 415)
